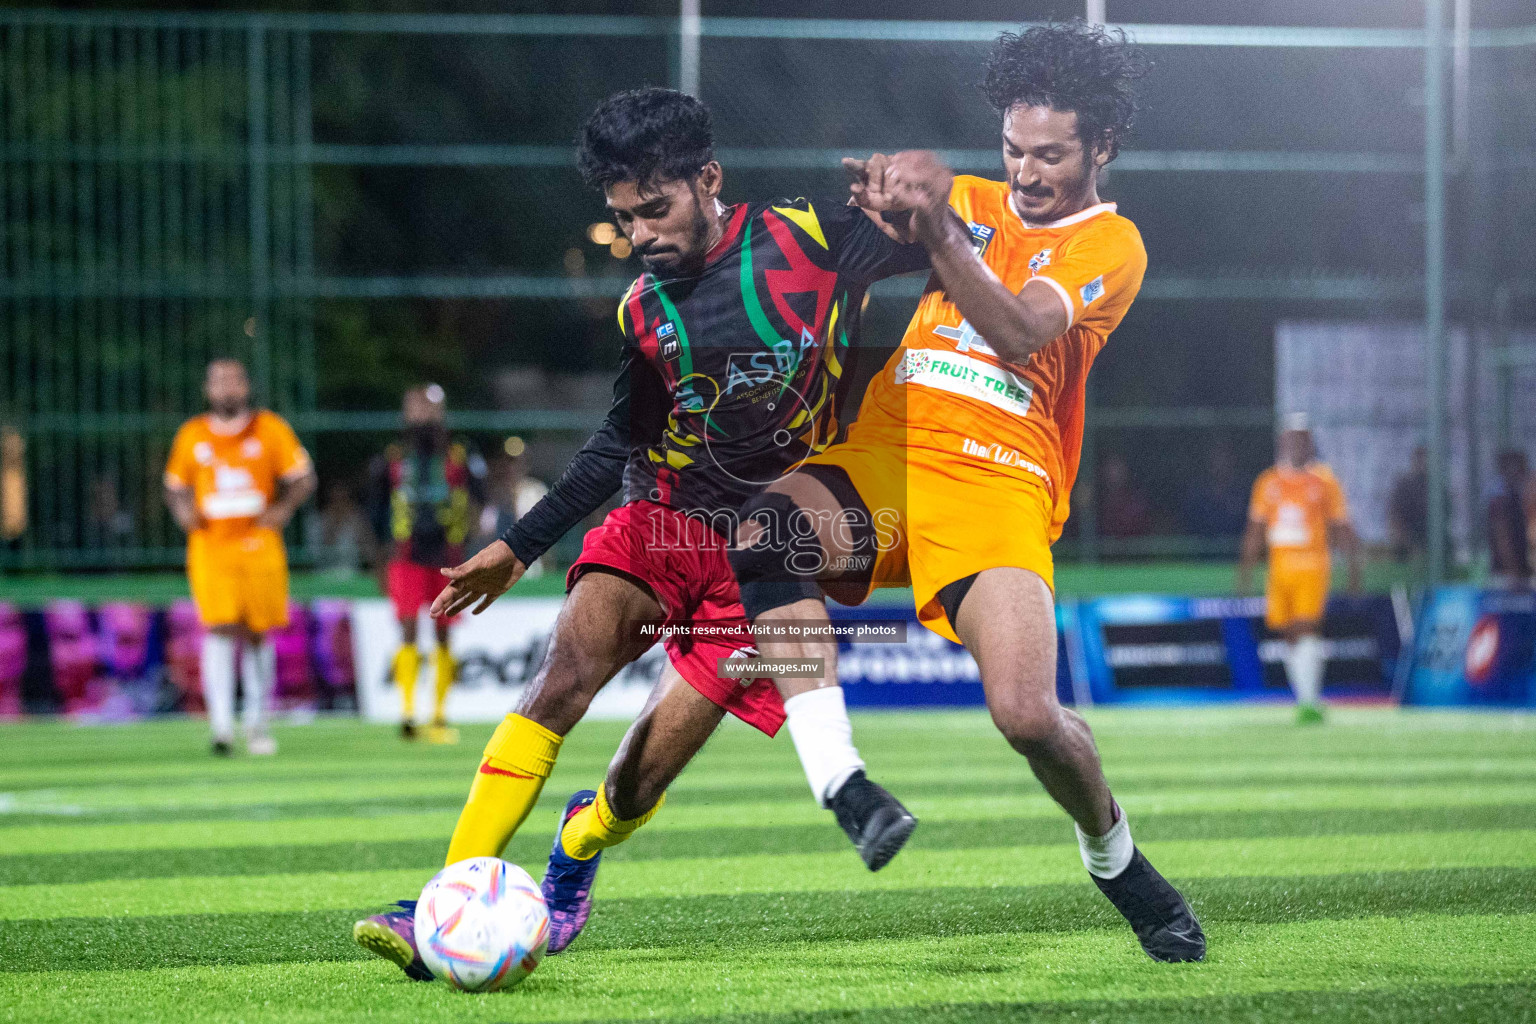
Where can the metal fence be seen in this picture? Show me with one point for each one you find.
(159, 206)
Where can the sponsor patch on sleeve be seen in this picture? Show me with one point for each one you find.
(981, 236)
(666, 334)
(1092, 290)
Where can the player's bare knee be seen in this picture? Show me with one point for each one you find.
(1029, 724)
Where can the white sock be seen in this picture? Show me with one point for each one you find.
(1304, 664)
(818, 723)
(258, 673)
(1288, 659)
(218, 672)
(1109, 854)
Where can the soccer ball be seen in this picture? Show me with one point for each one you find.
(482, 924)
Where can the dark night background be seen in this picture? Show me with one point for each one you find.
(1170, 352)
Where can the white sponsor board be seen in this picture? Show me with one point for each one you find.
(498, 651)
(1368, 420)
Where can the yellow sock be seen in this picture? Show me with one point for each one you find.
(443, 668)
(513, 768)
(595, 827)
(406, 669)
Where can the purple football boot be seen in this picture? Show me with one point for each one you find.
(392, 935)
(568, 883)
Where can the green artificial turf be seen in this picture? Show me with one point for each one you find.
(1073, 579)
(1381, 868)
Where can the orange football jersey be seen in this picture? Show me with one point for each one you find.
(1296, 507)
(234, 475)
(951, 390)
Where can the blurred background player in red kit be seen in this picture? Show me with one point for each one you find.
(425, 493)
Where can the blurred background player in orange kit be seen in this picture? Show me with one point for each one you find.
(425, 494)
(1298, 509)
(234, 478)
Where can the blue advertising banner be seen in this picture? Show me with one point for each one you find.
(923, 669)
(1148, 648)
(1475, 647)
(1134, 649)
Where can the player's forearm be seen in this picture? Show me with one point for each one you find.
(555, 515)
(1244, 574)
(591, 478)
(1252, 551)
(183, 509)
(302, 490)
(294, 493)
(998, 315)
(1343, 538)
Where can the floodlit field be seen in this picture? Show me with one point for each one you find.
(1382, 868)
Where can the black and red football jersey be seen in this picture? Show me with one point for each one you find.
(733, 376)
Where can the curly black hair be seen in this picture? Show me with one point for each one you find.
(647, 136)
(1071, 67)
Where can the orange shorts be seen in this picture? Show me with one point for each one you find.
(942, 516)
(1295, 595)
(239, 581)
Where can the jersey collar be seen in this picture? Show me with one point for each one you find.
(1076, 218)
(233, 427)
(732, 230)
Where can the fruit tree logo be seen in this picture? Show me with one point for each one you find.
(914, 365)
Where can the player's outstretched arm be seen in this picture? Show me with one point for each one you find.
(293, 492)
(640, 403)
(1015, 324)
(183, 508)
(1347, 540)
(1253, 547)
(485, 577)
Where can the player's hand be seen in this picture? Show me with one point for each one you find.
(866, 183)
(914, 179)
(272, 518)
(482, 579)
(866, 191)
(917, 180)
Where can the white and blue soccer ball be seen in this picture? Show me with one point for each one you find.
(482, 924)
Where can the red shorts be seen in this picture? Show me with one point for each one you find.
(411, 586)
(683, 562)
